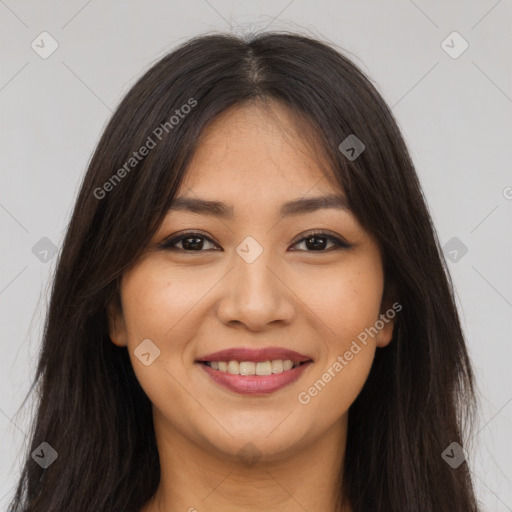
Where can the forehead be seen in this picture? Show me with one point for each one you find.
(250, 151)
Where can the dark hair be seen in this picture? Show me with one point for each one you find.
(419, 396)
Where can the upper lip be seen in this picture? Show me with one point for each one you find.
(255, 355)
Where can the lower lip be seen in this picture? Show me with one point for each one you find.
(255, 384)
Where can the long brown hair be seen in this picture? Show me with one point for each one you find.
(419, 396)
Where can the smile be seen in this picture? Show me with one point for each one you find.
(254, 371)
(252, 368)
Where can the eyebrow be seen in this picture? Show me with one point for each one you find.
(295, 207)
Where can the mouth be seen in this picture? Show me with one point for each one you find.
(249, 368)
(253, 372)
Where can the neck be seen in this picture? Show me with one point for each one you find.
(196, 479)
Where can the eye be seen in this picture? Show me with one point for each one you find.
(316, 242)
(191, 241)
(195, 242)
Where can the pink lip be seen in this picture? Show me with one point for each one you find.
(255, 355)
(255, 384)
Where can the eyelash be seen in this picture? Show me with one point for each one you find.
(169, 244)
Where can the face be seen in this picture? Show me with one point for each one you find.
(264, 285)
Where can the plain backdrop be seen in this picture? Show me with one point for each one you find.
(453, 105)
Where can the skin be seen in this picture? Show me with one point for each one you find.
(314, 301)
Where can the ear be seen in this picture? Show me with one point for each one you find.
(388, 311)
(116, 323)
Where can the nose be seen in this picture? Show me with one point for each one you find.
(256, 294)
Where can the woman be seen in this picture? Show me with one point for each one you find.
(251, 310)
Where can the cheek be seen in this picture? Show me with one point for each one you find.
(157, 300)
(162, 304)
(332, 391)
(345, 300)
(155, 308)
(346, 304)
(346, 359)
(152, 307)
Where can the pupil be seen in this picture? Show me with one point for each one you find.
(196, 244)
(317, 245)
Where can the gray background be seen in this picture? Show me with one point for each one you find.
(454, 114)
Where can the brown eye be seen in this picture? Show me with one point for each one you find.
(193, 242)
(316, 242)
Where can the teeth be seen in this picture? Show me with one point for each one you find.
(247, 368)
(234, 367)
(264, 368)
(277, 366)
(287, 364)
(252, 368)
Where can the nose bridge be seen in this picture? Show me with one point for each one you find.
(255, 296)
(252, 271)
